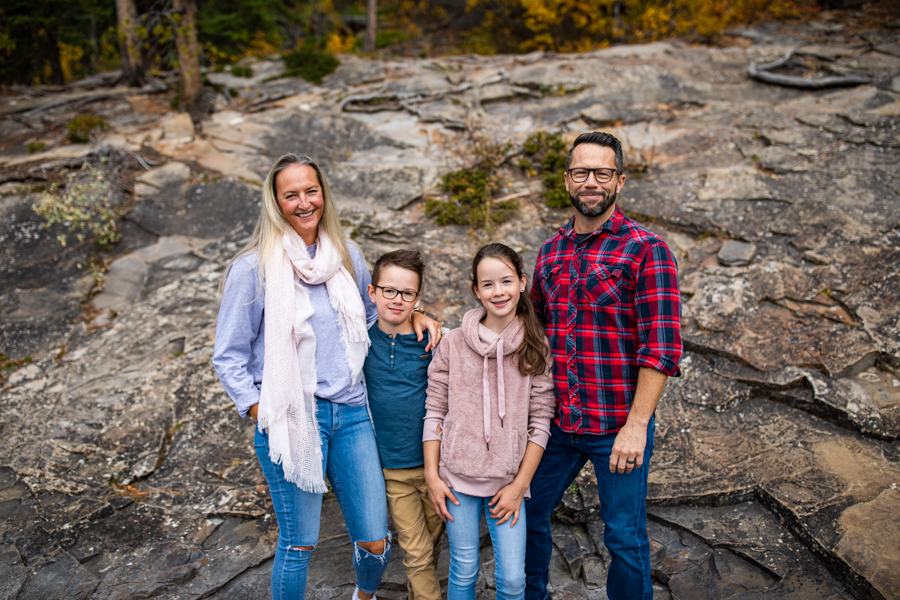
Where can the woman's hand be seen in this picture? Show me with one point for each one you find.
(253, 410)
(507, 502)
(421, 322)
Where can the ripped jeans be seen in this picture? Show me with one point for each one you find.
(353, 468)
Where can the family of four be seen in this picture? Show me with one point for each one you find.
(348, 380)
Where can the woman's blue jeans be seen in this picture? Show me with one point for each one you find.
(623, 507)
(351, 463)
(465, 555)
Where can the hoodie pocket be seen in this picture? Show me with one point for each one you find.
(514, 460)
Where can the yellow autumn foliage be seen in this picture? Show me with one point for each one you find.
(579, 25)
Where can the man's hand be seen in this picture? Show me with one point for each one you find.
(628, 449)
(253, 411)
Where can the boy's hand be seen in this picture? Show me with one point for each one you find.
(506, 503)
(253, 411)
(421, 322)
(438, 491)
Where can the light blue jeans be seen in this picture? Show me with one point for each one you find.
(509, 549)
(350, 461)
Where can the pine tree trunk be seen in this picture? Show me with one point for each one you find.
(188, 52)
(371, 25)
(130, 44)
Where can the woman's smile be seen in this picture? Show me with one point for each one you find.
(299, 195)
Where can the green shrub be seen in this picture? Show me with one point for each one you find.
(310, 64)
(470, 203)
(80, 128)
(35, 146)
(390, 37)
(241, 71)
(545, 154)
(85, 208)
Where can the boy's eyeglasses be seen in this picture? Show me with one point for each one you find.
(601, 174)
(391, 293)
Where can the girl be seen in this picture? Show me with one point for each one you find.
(489, 405)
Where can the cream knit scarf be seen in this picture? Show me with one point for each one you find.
(287, 404)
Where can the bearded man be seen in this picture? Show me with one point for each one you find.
(607, 291)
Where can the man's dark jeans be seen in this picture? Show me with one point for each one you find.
(622, 507)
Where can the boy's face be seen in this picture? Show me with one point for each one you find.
(393, 313)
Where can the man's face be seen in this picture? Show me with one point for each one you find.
(590, 198)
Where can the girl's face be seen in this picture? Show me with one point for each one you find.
(300, 198)
(498, 288)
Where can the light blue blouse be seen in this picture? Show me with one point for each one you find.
(240, 332)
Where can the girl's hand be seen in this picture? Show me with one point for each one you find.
(438, 491)
(421, 322)
(506, 503)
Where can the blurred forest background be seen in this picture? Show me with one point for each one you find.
(54, 42)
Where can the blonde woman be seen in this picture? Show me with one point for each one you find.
(291, 339)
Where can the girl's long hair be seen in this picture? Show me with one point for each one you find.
(272, 224)
(531, 356)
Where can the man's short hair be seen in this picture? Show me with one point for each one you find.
(601, 139)
(405, 259)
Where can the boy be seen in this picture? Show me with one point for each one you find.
(396, 370)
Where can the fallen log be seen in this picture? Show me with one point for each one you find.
(762, 73)
(37, 105)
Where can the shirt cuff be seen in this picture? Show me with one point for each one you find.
(540, 431)
(248, 400)
(663, 364)
(434, 422)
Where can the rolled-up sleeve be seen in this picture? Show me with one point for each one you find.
(657, 303)
(239, 323)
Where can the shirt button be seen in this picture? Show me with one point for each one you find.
(392, 356)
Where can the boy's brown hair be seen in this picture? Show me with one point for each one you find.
(405, 259)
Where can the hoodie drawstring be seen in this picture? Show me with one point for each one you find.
(501, 394)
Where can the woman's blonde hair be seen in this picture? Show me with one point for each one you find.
(272, 224)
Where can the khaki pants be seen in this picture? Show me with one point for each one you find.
(420, 530)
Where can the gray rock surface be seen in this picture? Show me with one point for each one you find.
(126, 472)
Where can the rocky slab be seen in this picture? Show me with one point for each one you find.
(128, 474)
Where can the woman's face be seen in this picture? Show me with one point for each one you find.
(299, 196)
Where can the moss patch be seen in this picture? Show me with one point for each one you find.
(471, 193)
(80, 128)
(545, 155)
(310, 64)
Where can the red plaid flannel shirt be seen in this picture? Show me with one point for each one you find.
(611, 306)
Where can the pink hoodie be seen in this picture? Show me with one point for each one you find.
(485, 410)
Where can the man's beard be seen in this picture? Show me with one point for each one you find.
(596, 210)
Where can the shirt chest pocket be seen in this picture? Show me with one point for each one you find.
(604, 285)
(551, 281)
(417, 366)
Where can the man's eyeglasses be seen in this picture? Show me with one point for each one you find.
(391, 293)
(600, 174)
